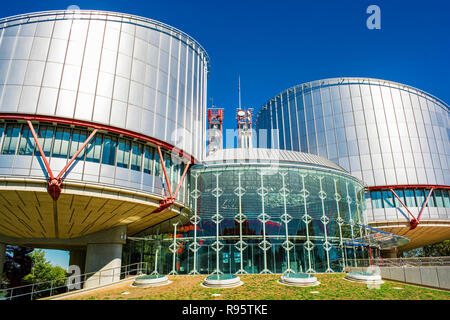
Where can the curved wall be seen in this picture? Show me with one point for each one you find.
(139, 82)
(110, 68)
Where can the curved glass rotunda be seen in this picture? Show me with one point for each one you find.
(264, 211)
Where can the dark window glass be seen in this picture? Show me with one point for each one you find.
(136, 156)
(123, 153)
(148, 159)
(109, 150)
(431, 200)
(388, 199)
(376, 199)
(45, 137)
(410, 198)
(94, 149)
(445, 195)
(420, 197)
(61, 144)
(401, 195)
(439, 199)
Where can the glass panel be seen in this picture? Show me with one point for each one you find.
(61, 144)
(11, 139)
(376, 199)
(446, 196)
(439, 198)
(123, 153)
(136, 157)
(94, 149)
(420, 197)
(388, 199)
(410, 198)
(401, 195)
(431, 200)
(26, 145)
(109, 150)
(148, 159)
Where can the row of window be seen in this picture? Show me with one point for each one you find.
(64, 142)
(410, 197)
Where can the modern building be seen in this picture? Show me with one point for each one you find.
(114, 102)
(392, 136)
(103, 153)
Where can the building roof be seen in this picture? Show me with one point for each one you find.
(262, 155)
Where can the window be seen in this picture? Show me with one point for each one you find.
(431, 200)
(148, 159)
(45, 137)
(400, 194)
(109, 150)
(11, 138)
(26, 145)
(420, 197)
(94, 149)
(410, 198)
(445, 195)
(123, 153)
(61, 144)
(388, 200)
(439, 199)
(136, 156)
(376, 199)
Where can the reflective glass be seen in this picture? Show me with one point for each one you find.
(123, 153)
(109, 150)
(136, 157)
(10, 139)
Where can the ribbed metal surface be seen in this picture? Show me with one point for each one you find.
(270, 155)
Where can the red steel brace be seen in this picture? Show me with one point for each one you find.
(168, 201)
(54, 183)
(414, 222)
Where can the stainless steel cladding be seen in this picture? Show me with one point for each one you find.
(115, 69)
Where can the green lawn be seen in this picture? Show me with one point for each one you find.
(266, 287)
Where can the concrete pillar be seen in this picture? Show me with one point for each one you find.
(103, 262)
(2, 258)
(78, 258)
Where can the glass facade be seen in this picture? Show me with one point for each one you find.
(254, 218)
(110, 68)
(410, 197)
(107, 159)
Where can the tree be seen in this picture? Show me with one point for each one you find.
(17, 265)
(43, 271)
(440, 249)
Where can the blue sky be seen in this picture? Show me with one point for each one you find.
(58, 258)
(274, 45)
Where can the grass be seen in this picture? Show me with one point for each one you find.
(266, 287)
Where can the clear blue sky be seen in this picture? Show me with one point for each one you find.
(58, 258)
(274, 45)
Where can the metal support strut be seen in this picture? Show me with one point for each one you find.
(413, 222)
(167, 201)
(54, 183)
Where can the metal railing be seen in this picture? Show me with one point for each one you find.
(401, 262)
(73, 282)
